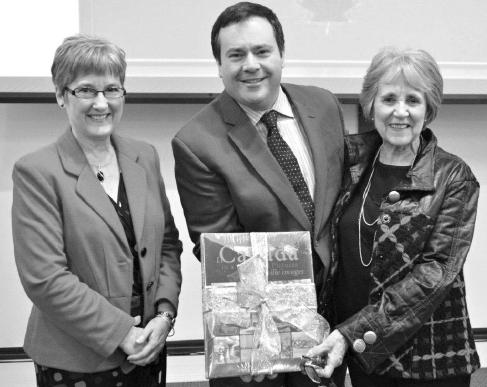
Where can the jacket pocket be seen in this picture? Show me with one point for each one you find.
(119, 278)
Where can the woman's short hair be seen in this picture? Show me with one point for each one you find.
(83, 54)
(416, 68)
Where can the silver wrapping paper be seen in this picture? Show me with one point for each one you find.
(254, 325)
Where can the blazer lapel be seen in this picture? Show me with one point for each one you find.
(245, 136)
(135, 183)
(87, 186)
(316, 136)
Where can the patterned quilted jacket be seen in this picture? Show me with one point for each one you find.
(416, 324)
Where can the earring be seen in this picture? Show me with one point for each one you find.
(61, 105)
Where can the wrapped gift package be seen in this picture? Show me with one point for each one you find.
(259, 302)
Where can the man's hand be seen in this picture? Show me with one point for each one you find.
(152, 339)
(333, 349)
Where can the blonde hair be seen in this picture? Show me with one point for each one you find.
(85, 54)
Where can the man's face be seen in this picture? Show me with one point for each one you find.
(251, 65)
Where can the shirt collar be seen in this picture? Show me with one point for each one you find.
(282, 106)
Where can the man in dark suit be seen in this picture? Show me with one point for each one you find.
(228, 167)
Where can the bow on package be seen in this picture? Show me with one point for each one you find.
(263, 319)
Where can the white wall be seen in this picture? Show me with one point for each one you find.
(327, 30)
(328, 43)
(31, 30)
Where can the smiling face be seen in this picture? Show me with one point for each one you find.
(399, 113)
(251, 65)
(92, 119)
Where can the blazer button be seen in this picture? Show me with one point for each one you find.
(143, 252)
(370, 337)
(393, 196)
(359, 345)
(149, 285)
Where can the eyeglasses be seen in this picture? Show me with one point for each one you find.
(90, 93)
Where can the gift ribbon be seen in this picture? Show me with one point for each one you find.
(251, 294)
(255, 293)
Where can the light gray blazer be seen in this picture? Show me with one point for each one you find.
(73, 257)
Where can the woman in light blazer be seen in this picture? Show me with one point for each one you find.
(95, 242)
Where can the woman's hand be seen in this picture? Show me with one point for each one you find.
(333, 349)
(129, 344)
(152, 339)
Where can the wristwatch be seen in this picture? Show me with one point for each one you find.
(169, 317)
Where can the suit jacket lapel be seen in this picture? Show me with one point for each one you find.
(316, 136)
(135, 183)
(87, 186)
(245, 136)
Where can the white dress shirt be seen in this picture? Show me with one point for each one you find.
(291, 132)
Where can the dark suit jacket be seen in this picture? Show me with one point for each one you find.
(73, 257)
(228, 180)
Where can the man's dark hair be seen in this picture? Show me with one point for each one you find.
(241, 12)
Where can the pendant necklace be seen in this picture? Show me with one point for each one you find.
(100, 175)
(361, 216)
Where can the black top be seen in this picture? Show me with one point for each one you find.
(353, 282)
(123, 211)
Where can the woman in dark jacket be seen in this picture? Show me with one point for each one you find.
(402, 228)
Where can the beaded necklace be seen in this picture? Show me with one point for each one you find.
(361, 216)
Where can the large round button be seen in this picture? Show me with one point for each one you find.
(386, 218)
(143, 252)
(370, 337)
(359, 345)
(393, 196)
